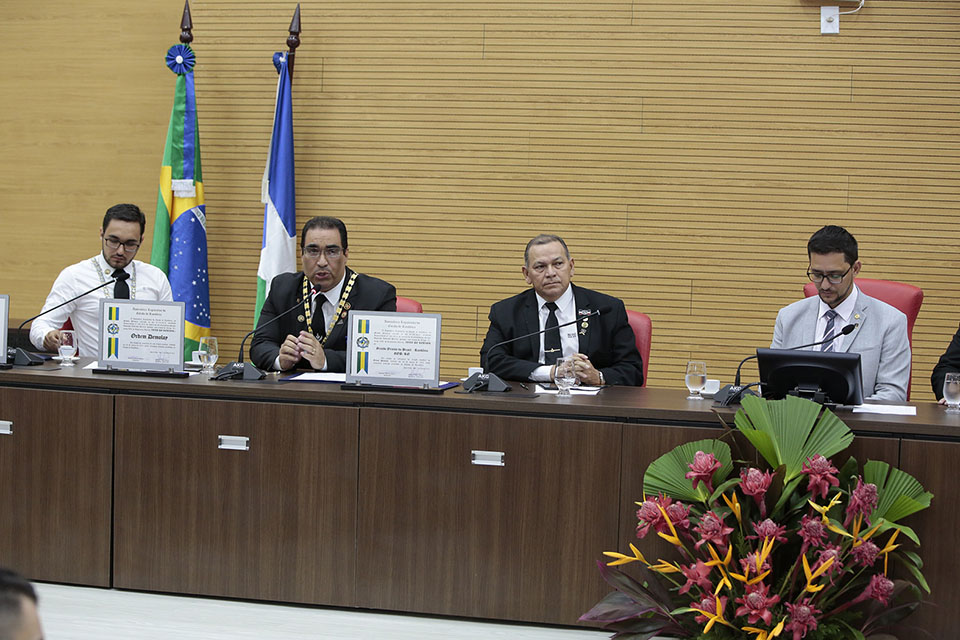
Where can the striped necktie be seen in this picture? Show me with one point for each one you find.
(828, 331)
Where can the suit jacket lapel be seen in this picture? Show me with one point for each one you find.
(530, 322)
(339, 330)
(586, 335)
(859, 315)
(809, 323)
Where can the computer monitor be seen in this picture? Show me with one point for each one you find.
(822, 376)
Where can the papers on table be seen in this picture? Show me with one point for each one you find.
(886, 409)
(318, 376)
(575, 391)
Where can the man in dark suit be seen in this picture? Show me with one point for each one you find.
(603, 346)
(315, 335)
(949, 362)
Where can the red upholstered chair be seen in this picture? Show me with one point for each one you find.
(642, 329)
(408, 305)
(905, 297)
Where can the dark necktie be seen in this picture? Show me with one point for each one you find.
(551, 337)
(319, 324)
(828, 331)
(120, 288)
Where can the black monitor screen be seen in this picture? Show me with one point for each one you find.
(790, 372)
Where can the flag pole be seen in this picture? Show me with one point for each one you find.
(293, 40)
(186, 24)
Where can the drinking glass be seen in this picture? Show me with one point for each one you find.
(951, 392)
(68, 347)
(208, 353)
(565, 376)
(696, 378)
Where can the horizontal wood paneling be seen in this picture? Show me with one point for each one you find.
(686, 150)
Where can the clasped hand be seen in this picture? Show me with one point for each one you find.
(586, 373)
(302, 347)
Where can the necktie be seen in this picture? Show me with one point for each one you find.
(120, 288)
(551, 337)
(319, 324)
(828, 331)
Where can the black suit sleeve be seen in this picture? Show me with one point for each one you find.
(506, 361)
(373, 295)
(622, 364)
(265, 344)
(949, 361)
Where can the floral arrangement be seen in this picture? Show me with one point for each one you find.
(788, 546)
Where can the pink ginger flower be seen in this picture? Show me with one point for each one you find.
(830, 551)
(679, 515)
(879, 589)
(812, 532)
(709, 605)
(865, 554)
(749, 564)
(755, 483)
(696, 574)
(649, 515)
(820, 473)
(863, 500)
(768, 529)
(712, 529)
(756, 604)
(702, 469)
(801, 618)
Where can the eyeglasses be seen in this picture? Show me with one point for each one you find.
(313, 251)
(832, 278)
(129, 246)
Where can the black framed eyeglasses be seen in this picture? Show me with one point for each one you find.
(832, 278)
(129, 246)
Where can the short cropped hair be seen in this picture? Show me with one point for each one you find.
(543, 238)
(833, 239)
(325, 222)
(13, 589)
(125, 213)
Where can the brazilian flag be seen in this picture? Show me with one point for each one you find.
(180, 228)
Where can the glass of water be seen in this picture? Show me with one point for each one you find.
(565, 376)
(208, 353)
(68, 347)
(951, 392)
(696, 378)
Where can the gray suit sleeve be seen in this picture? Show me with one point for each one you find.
(893, 372)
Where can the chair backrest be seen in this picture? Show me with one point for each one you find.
(642, 329)
(905, 297)
(408, 305)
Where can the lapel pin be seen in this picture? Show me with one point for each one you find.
(300, 318)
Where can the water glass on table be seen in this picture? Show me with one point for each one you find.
(565, 376)
(68, 347)
(696, 378)
(208, 353)
(951, 392)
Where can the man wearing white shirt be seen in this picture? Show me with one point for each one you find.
(603, 345)
(880, 333)
(120, 237)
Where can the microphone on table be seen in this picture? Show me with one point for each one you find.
(491, 381)
(23, 357)
(732, 393)
(248, 370)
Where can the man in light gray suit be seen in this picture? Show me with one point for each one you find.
(880, 336)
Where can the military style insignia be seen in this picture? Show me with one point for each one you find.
(363, 342)
(584, 312)
(300, 318)
(346, 305)
(583, 332)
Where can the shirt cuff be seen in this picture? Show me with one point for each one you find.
(541, 373)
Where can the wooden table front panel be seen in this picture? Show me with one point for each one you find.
(438, 534)
(55, 471)
(277, 522)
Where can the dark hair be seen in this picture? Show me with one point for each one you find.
(325, 222)
(833, 239)
(125, 213)
(13, 589)
(543, 238)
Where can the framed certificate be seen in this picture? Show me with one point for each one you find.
(141, 336)
(395, 349)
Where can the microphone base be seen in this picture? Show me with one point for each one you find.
(24, 358)
(730, 395)
(485, 382)
(241, 371)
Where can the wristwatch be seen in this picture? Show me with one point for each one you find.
(602, 383)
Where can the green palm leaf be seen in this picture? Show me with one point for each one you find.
(898, 493)
(667, 474)
(787, 432)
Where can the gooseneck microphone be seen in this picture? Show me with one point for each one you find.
(493, 382)
(731, 393)
(247, 370)
(24, 357)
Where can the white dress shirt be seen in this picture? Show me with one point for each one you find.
(569, 342)
(844, 312)
(146, 282)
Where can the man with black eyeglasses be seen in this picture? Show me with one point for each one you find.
(880, 335)
(315, 336)
(120, 237)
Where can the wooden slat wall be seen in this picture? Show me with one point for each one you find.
(686, 151)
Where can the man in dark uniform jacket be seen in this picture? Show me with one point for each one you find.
(949, 362)
(314, 336)
(604, 346)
